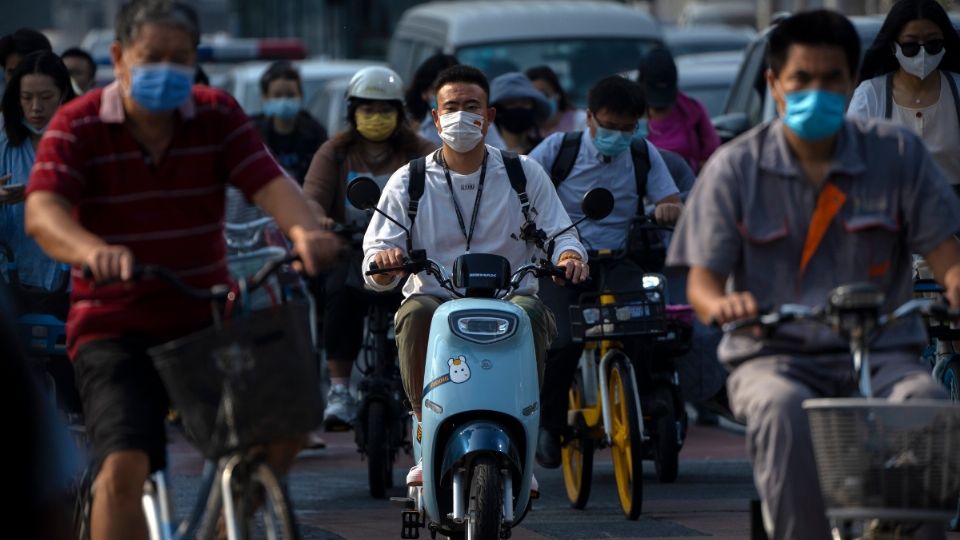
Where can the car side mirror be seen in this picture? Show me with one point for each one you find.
(363, 193)
(597, 203)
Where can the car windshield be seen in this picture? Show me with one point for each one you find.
(577, 62)
(713, 97)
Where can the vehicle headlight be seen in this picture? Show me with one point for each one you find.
(652, 281)
(483, 326)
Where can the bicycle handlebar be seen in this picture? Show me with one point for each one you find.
(541, 269)
(216, 293)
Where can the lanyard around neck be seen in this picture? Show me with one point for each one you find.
(476, 202)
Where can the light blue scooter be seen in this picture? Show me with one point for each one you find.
(481, 396)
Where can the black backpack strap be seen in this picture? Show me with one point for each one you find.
(566, 157)
(518, 180)
(888, 106)
(953, 90)
(418, 177)
(641, 167)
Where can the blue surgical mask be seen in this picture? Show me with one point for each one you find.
(611, 142)
(285, 108)
(32, 129)
(814, 114)
(161, 87)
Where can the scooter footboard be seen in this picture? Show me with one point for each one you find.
(480, 436)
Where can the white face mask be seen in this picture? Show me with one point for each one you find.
(920, 65)
(461, 131)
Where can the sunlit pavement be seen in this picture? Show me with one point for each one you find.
(711, 497)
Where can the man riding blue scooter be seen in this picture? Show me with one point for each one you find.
(446, 191)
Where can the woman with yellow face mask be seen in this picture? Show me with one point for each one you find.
(378, 141)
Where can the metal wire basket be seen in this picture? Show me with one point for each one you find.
(618, 315)
(880, 459)
(247, 383)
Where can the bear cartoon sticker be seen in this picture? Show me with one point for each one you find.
(459, 370)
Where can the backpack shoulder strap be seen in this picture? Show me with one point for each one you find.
(418, 177)
(641, 166)
(518, 180)
(952, 81)
(566, 157)
(888, 97)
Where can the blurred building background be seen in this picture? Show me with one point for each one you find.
(358, 28)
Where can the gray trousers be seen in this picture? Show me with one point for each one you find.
(766, 393)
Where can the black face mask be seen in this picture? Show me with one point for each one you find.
(515, 120)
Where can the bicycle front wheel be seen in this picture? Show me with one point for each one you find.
(627, 443)
(273, 519)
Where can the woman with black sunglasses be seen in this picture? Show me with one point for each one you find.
(911, 75)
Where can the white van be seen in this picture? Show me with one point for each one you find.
(583, 41)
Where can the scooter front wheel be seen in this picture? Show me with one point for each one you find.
(485, 510)
(577, 453)
(627, 438)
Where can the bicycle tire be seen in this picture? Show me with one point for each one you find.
(576, 455)
(377, 442)
(666, 450)
(627, 443)
(275, 509)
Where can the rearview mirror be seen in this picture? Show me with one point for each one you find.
(363, 193)
(597, 203)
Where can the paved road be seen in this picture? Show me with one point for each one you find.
(711, 497)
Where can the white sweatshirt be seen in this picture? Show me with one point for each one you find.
(499, 220)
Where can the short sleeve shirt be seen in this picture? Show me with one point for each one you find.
(169, 213)
(591, 170)
(749, 212)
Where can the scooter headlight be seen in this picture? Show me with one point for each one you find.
(483, 326)
(652, 281)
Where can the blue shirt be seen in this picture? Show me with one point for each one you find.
(592, 169)
(33, 266)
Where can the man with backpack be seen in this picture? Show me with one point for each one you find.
(465, 197)
(605, 155)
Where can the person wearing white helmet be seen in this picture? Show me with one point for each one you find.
(377, 142)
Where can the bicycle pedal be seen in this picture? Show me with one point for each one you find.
(505, 532)
(406, 502)
(410, 524)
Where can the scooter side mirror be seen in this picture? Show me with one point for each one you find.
(363, 193)
(597, 203)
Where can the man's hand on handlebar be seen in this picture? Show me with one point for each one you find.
(388, 258)
(316, 248)
(733, 307)
(109, 263)
(668, 213)
(577, 271)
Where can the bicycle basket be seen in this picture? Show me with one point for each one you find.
(608, 315)
(880, 459)
(265, 362)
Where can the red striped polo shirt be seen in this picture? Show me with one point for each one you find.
(168, 213)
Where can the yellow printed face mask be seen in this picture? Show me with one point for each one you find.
(376, 127)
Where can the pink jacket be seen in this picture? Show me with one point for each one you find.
(686, 131)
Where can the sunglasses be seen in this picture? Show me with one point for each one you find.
(911, 49)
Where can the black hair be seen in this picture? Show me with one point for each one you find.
(464, 74)
(423, 79)
(136, 13)
(618, 95)
(41, 62)
(880, 58)
(544, 73)
(77, 52)
(280, 70)
(200, 76)
(817, 27)
(23, 41)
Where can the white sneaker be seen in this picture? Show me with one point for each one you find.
(341, 409)
(415, 476)
(534, 487)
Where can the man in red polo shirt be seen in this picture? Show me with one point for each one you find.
(137, 172)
